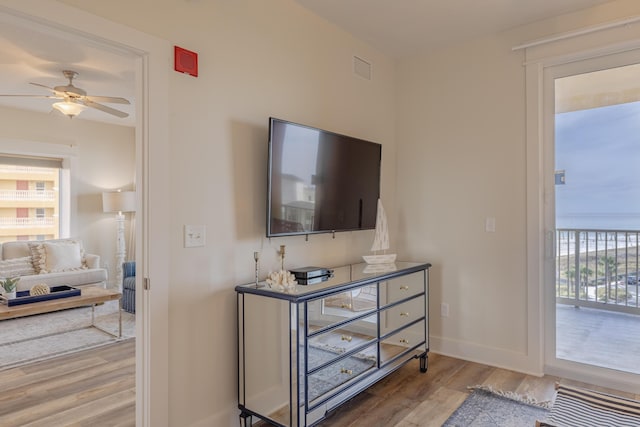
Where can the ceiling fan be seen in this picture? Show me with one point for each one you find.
(75, 100)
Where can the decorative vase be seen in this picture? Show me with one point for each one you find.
(10, 295)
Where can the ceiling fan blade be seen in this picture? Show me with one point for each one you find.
(37, 96)
(109, 99)
(57, 94)
(46, 87)
(105, 109)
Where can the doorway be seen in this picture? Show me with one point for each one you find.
(593, 320)
(151, 77)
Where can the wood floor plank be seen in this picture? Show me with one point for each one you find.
(68, 385)
(408, 398)
(93, 412)
(435, 411)
(47, 404)
(353, 411)
(540, 388)
(469, 375)
(419, 385)
(28, 376)
(97, 388)
(93, 388)
(504, 379)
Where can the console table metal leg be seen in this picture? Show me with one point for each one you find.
(120, 318)
(113, 334)
(423, 363)
(245, 419)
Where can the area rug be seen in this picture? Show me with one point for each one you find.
(486, 407)
(576, 406)
(40, 337)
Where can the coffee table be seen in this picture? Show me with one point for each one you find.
(89, 296)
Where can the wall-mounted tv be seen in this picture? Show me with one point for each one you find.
(320, 181)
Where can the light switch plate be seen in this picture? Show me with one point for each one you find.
(490, 225)
(194, 236)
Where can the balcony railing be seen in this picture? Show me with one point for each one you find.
(28, 195)
(27, 222)
(598, 268)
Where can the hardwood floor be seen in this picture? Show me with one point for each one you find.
(97, 388)
(410, 399)
(89, 388)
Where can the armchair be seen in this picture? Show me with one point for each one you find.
(129, 286)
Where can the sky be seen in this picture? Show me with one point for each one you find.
(599, 150)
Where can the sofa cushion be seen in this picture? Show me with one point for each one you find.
(62, 256)
(16, 249)
(71, 278)
(16, 267)
(57, 255)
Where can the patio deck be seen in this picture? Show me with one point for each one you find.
(598, 337)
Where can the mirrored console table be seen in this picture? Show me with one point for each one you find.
(305, 351)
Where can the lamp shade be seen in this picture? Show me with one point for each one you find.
(119, 201)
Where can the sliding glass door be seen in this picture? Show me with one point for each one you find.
(593, 147)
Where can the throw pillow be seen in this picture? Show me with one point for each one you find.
(37, 256)
(15, 267)
(61, 257)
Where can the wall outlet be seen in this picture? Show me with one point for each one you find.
(194, 236)
(444, 309)
(490, 225)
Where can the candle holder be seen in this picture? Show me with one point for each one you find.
(256, 258)
(281, 257)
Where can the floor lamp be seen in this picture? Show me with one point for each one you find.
(119, 202)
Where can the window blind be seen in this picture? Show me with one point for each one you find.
(41, 162)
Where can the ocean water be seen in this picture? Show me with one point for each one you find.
(597, 233)
(608, 221)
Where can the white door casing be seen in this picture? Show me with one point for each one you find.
(544, 63)
(152, 161)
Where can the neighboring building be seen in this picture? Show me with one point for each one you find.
(29, 203)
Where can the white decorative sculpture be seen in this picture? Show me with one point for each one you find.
(381, 240)
(282, 280)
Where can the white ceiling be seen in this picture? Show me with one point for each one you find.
(34, 53)
(402, 28)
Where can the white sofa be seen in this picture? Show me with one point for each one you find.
(53, 262)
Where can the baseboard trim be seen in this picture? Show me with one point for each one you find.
(492, 356)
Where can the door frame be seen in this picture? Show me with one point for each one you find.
(152, 160)
(540, 74)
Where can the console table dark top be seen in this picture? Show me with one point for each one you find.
(344, 278)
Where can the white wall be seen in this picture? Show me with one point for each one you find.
(462, 158)
(102, 158)
(257, 59)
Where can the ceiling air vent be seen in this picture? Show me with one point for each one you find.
(362, 68)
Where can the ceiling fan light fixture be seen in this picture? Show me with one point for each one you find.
(69, 108)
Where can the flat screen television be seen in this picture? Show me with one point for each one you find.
(320, 181)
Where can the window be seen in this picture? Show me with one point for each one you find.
(29, 197)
